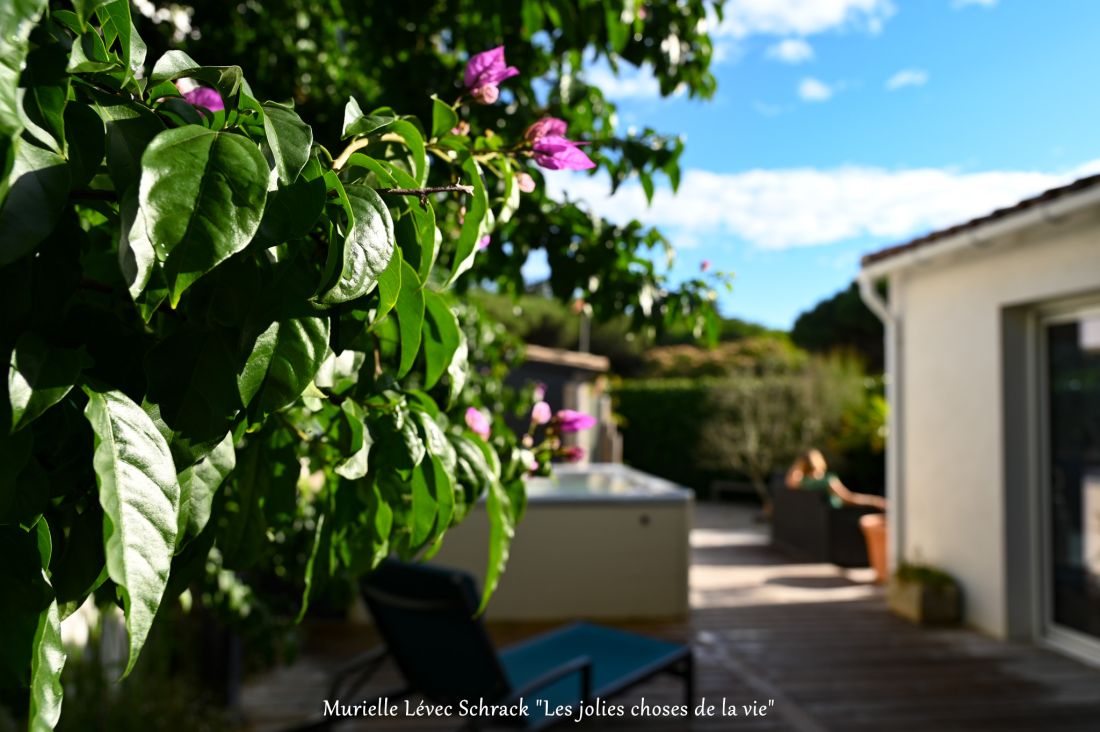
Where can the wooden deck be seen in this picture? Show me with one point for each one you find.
(809, 641)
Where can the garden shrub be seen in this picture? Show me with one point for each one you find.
(227, 341)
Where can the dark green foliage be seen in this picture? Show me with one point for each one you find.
(319, 55)
(235, 368)
(842, 323)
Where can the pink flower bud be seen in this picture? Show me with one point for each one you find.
(478, 422)
(540, 392)
(573, 454)
(540, 413)
(485, 94)
(483, 242)
(704, 265)
(462, 128)
(525, 182)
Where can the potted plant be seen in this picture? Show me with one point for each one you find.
(925, 595)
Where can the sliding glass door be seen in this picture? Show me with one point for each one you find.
(1072, 475)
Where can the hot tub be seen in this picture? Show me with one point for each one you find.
(598, 541)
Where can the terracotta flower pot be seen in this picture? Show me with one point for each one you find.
(874, 533)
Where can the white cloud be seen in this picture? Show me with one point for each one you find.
(958, 4)
(743, 18)
(631, 83)
(814, 90)
(791, 51)
(802, 207)
(907, 77)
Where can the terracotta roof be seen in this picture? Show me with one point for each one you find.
(1046, 196)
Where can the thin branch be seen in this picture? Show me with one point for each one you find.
(455, 188)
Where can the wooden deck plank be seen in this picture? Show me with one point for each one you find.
(816, 639)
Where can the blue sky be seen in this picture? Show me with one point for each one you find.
(841, 126)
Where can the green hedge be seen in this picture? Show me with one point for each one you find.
(660, 420)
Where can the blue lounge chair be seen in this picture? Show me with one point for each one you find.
(426, 617)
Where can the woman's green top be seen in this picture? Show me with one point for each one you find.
(810, 483)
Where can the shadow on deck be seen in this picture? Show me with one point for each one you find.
(812, 642)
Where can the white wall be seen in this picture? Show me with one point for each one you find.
(951, 383)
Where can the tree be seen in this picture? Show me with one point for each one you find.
(225, 333)
(758, 424)
(317, 58)
(842, 322)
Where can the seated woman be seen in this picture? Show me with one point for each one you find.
(810, 472)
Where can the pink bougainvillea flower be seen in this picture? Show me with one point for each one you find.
(478, 422)
(545, 127)
(573, 454)
(569, 420)
(462, 128)
(485, 71)
(486, 94)
(483, 242)
(704, 265)
(200, 96)
(539, 392)
(554, 152)
(525, 182)
(540, 413)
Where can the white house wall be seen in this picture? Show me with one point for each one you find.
(951, 369)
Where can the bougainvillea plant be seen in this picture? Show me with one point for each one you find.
(206, 311)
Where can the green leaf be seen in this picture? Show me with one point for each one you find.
(40, 376)
(190, 374)
(501, 531)
(290, 138)
(443, 491)
(116, 14)
(140, 496)
(85, 139)
(202, 197)
(441, 338)
(389, 285)
(458, 368)
(24, 485)
(357, 124)
(199, 482)
(26, 556)
(78, 565)
(292, 210)
(444, 117)
(44, 90)
(89, 54)
(410, 318)
(355, 263)
(38, 187)
(473, 225)
(136, 257)
(421, 251)
(283, 361)
(415, 142)
(308, 583)
(262, 487)
(423, 506)
(85, 9)
(46, 665)
(17, 19)
(130, 129)
(355, 466)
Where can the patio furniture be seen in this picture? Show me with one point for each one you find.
(806, 526)
(426, 617)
